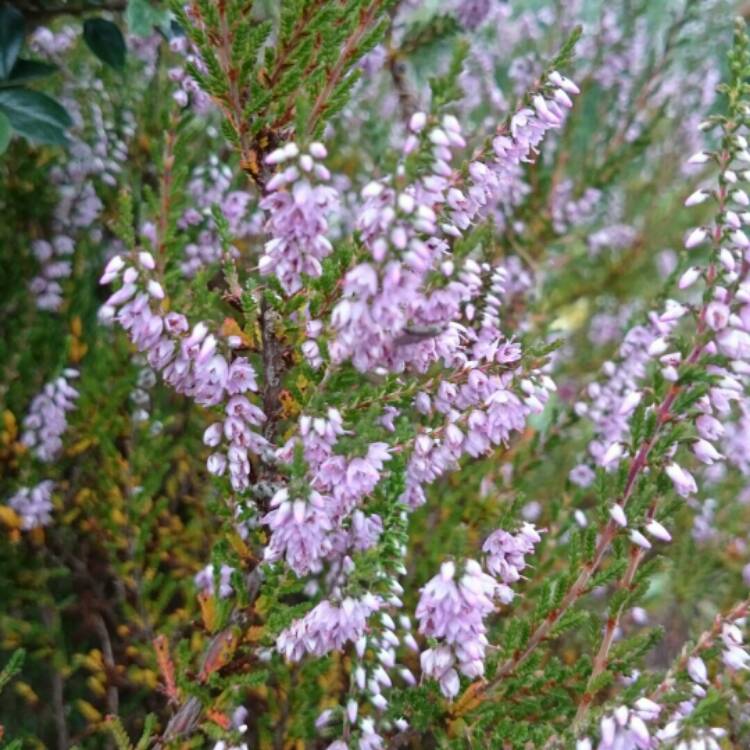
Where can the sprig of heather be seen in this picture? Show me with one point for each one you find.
(658, 719)
(97, 153)
(725, 275)
(297, 202)
(677, 401)
(193, 361)
(408, 308)
(46, 421)
(453, 606)
(43, 429)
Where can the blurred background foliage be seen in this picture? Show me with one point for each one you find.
(136, 516)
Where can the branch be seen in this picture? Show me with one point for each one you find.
(637, 466)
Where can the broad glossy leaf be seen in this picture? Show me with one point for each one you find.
(105, 40)
(35, 115)
(11, 38)
(28, 70)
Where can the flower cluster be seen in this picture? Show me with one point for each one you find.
(649, 724)
(611, 403)
(497, 183)
(723, 317)
(191, 362)
(373, 362)
(479, 414)
(52, 43)
(506, 552)
(567, 210)
(54, 259)
(452, 607)
(189, 92)
(327, 627)
(94, 163)
(211, 186)
(46, 421)
(326, 524)
(471, 13)
(297, 204)
(34, 504)
(204, 580)
(626, 728)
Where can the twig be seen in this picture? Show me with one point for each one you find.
(58, 698)
(337, 72)
(601, 659)
(166, 665)
(113, 699)
(705, 640)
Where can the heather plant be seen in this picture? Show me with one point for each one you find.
(375, 374)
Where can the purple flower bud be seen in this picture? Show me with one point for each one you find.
(417, 122)
(696, 668)
(695, 237)
(717, 315)
(683, 481)
(656, 530)
(689, 277)
(701, 157)
(637, 538)
(705, 452)
(740, 239)
(618, 515)
(699, 196)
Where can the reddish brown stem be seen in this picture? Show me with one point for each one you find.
(601, 660)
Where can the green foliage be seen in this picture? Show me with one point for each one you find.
(310, 66)
(12, 668)
(6, 131)
(115, 727)
(136, 515)
(425, 33)
(27, 70)
(142, 17)
(446, 89)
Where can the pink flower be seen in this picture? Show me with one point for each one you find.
(506, 552)
(327, 627)
(454, 610)
(683, 481)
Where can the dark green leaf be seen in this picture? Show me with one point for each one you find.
(11, 38)
(105, 40)
(28, 70)
(35, 115)
(5, 132)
